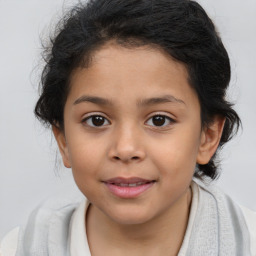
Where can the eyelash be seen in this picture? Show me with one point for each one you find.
(164, 117)
(101, 118)
(89, 119)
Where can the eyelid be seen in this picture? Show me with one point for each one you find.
(159, 113)
(164, 114)
(92, 114)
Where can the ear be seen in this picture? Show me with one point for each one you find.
(62, 144)
(210, 138)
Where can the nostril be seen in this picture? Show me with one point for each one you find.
(120, 158)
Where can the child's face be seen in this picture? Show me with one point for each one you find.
(147, 127)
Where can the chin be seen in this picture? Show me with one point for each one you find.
(131, 221)
(130, 217)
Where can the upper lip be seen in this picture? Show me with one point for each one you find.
(131, 180)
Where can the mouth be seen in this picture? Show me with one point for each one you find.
(128, 187)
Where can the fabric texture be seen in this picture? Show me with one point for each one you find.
(47, 231)
(219, 227)
(216, 227)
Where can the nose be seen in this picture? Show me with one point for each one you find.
(127, 146)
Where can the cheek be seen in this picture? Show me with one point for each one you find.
(176, 155)
(85, 160)
(85, 164)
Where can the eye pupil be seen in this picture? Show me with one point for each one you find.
(98, 120)
(158, 120)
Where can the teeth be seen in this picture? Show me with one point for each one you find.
(133, 185)
(130, 184)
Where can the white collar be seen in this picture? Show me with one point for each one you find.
(78, 239)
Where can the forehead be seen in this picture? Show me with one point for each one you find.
(141, 72)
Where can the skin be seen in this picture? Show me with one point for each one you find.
(129, 144)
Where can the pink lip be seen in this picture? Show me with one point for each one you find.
(120, 186)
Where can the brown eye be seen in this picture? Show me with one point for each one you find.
(96, 121)
(159, 120)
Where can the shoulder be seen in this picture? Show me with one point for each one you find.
(49, 210)
(250, 219)
(239, 214)
(52, 215)
(8, 245)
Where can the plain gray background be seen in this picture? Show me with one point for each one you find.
(28, 172)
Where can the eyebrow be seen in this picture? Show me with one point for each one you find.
(161, 99)
(141, 103)
(93, 99)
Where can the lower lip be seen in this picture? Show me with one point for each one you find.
(129, 192)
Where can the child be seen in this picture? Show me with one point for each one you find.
(135, 94)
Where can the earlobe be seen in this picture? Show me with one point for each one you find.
(62, 144)
(210, 138)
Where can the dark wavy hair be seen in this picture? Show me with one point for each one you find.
(179, 27)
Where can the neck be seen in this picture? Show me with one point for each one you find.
(166, 230)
